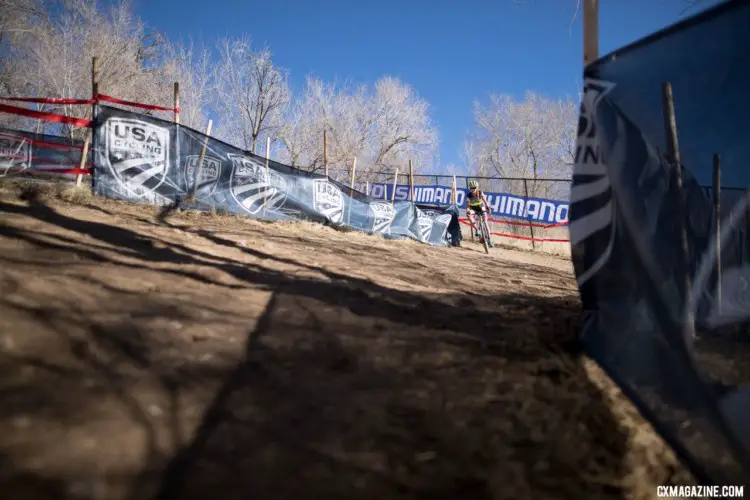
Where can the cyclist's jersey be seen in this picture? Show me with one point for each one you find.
(476, 200)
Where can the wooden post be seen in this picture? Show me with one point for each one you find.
(353, 174)
(177, 102)
(84, 153)
(395, 183)
(94, 76)
(454, 193)
(590, 31)
(717, 225)
(531, 226)
(411, 182)
(94, 88)
(199, 167)
(268, 176)
(367, 188)
(351, 187)
(325, 152)
(472, 228)
(89, 133)
(670, 124)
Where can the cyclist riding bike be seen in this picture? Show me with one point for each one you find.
(476, 202)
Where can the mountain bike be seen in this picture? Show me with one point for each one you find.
(484, 233)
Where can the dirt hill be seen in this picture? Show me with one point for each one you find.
(222, 357)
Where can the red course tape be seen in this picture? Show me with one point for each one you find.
(82, 171)
(63, 171)
(50, 117)
(102, 97)
(529, 224)
(49, 100)
(53, 145)
(525, 238)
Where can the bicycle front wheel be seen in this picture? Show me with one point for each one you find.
(485, 235)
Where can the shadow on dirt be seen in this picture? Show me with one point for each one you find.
(31, 485)
(346, 388)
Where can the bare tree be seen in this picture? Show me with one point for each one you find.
(442, 174)
(470, 154)
(381, 129)
(294, 138)
(534, 138)
(349, 121)
(54, 57)
(251, 93)
(301, 133)
(17, 21)
(191, 67)
(51, 45)
(343, 112)
(402, 128)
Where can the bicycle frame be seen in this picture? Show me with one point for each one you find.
(483, 228)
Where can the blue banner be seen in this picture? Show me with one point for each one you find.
(23, 152)
(143, 159)
(502, 204)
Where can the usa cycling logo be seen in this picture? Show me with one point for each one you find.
(328, 200)
(442, 221)
(591, 203)
(15, 153)
(424, 224)
(382, 216)
(210, 173)
(137, 154)
(254, 186)
(428, 220)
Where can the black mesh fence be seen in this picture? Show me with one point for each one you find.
(665, 288)
(38, 156)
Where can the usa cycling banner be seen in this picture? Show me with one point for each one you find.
(670, 322)
(24, 152)
(143, 159)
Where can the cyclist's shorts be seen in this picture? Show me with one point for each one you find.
(477, 210)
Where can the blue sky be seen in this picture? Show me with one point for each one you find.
(452, 52)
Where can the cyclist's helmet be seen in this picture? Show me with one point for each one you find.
(473, 185)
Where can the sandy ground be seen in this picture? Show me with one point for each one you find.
(560, 249)
(223, 357)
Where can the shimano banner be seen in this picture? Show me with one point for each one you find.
(670, 322)
(143, 159)
(502, 204)
(25, 152)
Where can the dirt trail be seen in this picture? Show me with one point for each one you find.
(223, 357)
